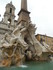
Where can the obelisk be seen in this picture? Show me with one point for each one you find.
(24, 4)
(24, 13)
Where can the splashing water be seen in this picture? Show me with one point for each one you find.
(23, 66)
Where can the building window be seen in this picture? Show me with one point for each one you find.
(9, 23)
(10, 10)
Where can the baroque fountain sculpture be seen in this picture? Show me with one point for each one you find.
(21, 44)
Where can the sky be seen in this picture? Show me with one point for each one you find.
(41, 14)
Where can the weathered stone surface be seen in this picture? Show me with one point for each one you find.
(15, 45)
(21, 42)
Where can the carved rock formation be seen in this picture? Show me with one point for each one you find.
(20, 43)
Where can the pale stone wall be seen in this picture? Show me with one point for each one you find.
(5, 19)
(5, 29)
(23, 16)
(5, 26)
(47, 39)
